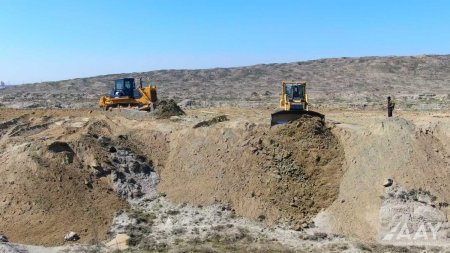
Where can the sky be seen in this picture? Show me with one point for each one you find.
(45, 40)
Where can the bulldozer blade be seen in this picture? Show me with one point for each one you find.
(284, 117)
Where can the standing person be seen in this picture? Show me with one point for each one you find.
(390, 106)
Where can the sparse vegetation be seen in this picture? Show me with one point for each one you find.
(333, 83)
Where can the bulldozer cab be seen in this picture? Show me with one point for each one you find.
(294, 96)
(295, 92)
(124, 88)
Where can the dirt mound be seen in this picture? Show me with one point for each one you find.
(72, 175)
(167, 108)
(48, 186)
(315, 156)
(414, 155)
(63, 170)
(212, 121)
(283, 175)
(47, 195)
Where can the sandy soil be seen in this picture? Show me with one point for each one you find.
(286, 174)
(282, 176)
(46, 185)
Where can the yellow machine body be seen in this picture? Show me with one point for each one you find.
(293, 103)
(130, 97)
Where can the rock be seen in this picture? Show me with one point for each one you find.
(104, 140)
(114, 176)
(297, 227)
(123, 152)
(320, 235)
(71, 236)
(388, 182)
(119, 243)
(186, 103)
(135, 166)
(425, 199)
(3, 238)
(58, 147)
(176, 118)
(136, 193)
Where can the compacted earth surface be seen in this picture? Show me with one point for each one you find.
(223, 180)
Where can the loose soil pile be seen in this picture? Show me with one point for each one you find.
(212, 121)
(413, 154)
(167, 109)
(283, 175)
(62, 171)
(48, 186)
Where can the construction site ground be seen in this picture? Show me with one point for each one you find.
(222, 179)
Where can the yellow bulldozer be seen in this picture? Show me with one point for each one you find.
(126, 94)
(293, 104)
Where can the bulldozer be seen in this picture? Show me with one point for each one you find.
(293, 104)
(126, 94)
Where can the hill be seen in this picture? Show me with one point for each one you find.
(416, 82)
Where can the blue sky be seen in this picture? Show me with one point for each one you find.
(44, 40)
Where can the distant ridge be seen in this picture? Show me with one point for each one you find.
(418, 82)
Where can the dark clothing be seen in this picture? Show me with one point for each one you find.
(390, 107)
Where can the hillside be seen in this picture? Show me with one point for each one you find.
(416, 82)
